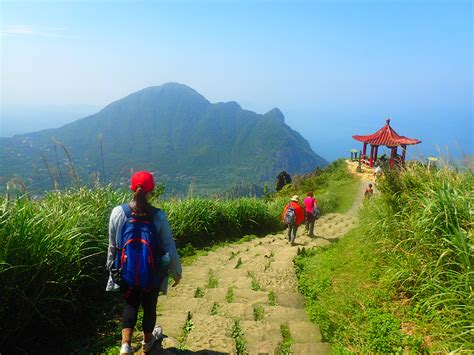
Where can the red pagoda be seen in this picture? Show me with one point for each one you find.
(388, 137)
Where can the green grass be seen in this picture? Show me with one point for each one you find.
(51, 260)
(258, 312)
(285, 346)
(202, 222)
(271, 298)
(255, 285)
(213, 281)
(187, 328)
(339, 283)
(239, 263)
(238, 335)
(229, 297)
(199, 293)
(216, 309)
(402, 280)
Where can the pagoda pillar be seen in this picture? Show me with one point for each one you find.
(371, 161)
(404, 153)
(393, 155)
(364, 151)
(376, 152)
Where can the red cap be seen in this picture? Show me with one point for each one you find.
(144, 179)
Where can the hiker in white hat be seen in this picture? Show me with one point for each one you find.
(293, 216)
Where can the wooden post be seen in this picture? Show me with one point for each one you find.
(376, 152)
(364, 151)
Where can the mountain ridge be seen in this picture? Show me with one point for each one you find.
(174, 131)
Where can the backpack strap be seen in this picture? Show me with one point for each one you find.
(127, 210)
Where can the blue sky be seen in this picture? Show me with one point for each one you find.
(335, 68)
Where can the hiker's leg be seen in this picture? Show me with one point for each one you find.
(127, 334)
(293, 233)
(149, 301)
(311, 226)
(307, 219)
(289, 232)
(130, 313)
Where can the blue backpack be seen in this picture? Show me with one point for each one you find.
(138, 252)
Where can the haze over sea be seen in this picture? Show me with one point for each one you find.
(333, 68)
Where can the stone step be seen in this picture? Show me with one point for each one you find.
(289, 299)
(172, 322)
(304, 332)
(283, 314)
(186, 304)
(311, 348)
(211, 333)
(261, 337)
(231, 272)
(241, 282)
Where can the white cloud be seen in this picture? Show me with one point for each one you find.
(25, 30)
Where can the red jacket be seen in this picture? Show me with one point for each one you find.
(298, 212)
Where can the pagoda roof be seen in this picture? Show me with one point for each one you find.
(386, 136)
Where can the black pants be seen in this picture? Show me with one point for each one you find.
(133, 299)
(310, 219)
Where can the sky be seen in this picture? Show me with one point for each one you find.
(334, 68)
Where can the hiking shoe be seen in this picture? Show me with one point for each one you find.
(126, 349)
(157, 335)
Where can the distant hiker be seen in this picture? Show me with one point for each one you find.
(282, 179)
(141, 251)
(377, 172)
(369, 191)
(311, 212)
(293, 216)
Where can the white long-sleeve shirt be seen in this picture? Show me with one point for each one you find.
(165, 238)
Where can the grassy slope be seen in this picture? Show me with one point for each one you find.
(334, 187)
(343, 296)
(401, 279)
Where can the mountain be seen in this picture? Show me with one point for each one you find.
(171, 130)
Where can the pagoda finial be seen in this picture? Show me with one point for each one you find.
(388, 120)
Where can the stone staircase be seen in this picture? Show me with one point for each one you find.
(243, 298)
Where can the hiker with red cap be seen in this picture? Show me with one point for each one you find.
(141, 253)
(293, 216)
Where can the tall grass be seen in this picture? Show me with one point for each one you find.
(423, 227)
(51, 257)
(201, 222)
(53, 250)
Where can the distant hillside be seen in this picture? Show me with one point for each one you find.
(171, 130)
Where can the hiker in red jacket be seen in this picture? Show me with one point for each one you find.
(293, 216)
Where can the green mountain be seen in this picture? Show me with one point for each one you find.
(171, 130)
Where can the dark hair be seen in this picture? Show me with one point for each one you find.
(309, 193)
(140, 205)
(370, 185)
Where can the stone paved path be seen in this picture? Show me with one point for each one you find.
(253, 283)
